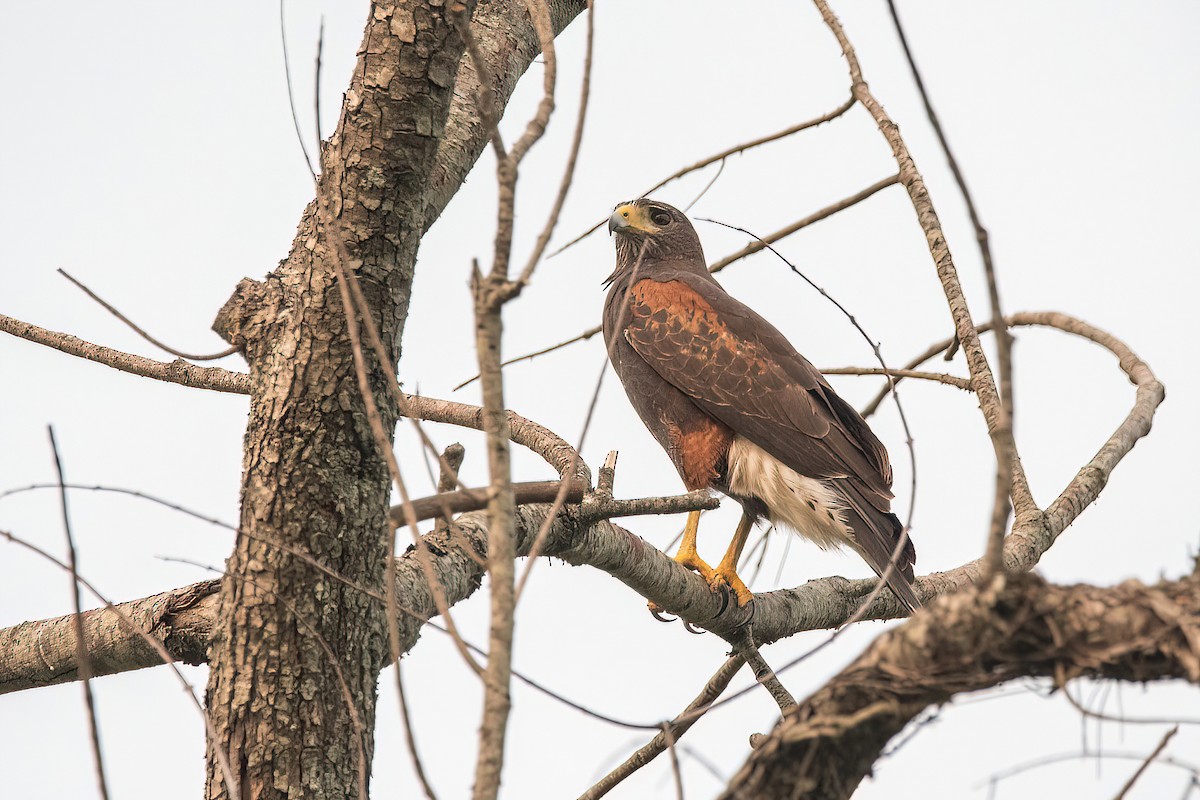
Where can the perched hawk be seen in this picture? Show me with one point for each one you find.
(738, 409)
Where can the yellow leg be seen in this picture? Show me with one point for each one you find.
(726, 571)
(687, 555)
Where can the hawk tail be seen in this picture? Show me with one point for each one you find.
(881, 539)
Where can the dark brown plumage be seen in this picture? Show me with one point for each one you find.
(737, 408)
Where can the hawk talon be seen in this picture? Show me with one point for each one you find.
(657, 611)
(690, 629)
(724, 590)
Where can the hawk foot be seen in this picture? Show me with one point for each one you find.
(729, 583)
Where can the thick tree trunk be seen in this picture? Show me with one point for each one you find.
(295, 654)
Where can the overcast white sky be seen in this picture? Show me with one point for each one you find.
(148, 149)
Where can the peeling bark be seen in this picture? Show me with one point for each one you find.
(43, 653)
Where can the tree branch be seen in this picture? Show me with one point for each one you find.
(978, 638)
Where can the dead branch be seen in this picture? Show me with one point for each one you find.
(82, 660)
(759, 244)
(178, 371)
(1145, 764)
(675, 729)
(995, 414)
(1004, 341)
(938, 377)
(141, 331)
(978, 638)
(721, 156)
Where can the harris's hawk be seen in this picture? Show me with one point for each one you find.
(738, 409)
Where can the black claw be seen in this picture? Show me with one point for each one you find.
(753, 608)
(658, 616)
(690, 629)
(724, 599)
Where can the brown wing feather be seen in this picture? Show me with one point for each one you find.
(737, 367)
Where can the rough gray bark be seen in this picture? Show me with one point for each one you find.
(292, 723)
(972, 640)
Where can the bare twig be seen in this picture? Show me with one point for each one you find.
(287, 74)
(118, 490)
(383, 443)
(1120, 719)
(995, 413)
(1057, 758)
(761, 243)
(159, 650)
(762, 671)
(83, 660)
(938, 377)
(721, 156)
(1145, 764)
(410, 738)
(670, 739)
(1004, 341)
(178, 371)
(463, 500)
(584, 91)
(676, 728)
(317, 96)
(140, 332)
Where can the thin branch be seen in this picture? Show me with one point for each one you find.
(721, 156)
(1004, 342)
(762, 671)
(761, 243)
(410, 738)
(464, 500)
(178, 371)
(676, 729)
(1057, 758)
(568, 174)
(82, 659)
(287, 74)
(670, 739)
(141, 332)
(1146, 764)
(317, 96)
(118, 490)
(938, 377)
(1121, 719)
(996, 414)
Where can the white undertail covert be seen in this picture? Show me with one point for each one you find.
(806, 505)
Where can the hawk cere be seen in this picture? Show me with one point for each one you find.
(738, 409)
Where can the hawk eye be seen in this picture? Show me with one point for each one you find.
(660, 218)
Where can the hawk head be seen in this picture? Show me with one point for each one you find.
(652, 230)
